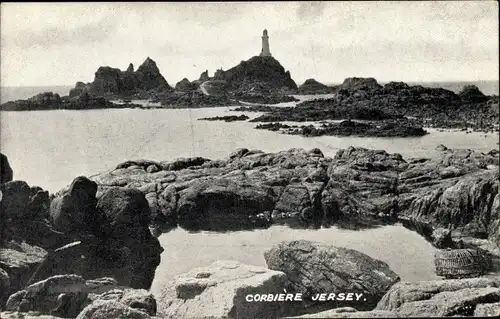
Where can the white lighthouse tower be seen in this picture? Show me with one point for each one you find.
(265, 45)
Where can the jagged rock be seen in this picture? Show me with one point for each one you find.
(445, 304)
(4, 287)
(185, 85)
(471, 93)
(409, 292)
(110, 81)
(487, 310)
(111, 309)
(62, 295)
(441, 238)
(204, 76)
(219, 291)
(138, 299)
(20, 262)
(15, 199)
(318, 268)
(6, 173)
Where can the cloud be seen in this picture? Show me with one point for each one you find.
(53, 36)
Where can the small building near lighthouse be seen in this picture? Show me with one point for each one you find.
(265, 45)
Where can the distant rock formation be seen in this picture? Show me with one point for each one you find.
(263, 71)
(355, 83)
(185, 85)
(130, 68)
(204, 76)
(311, 86)
(50, 101)
(110, 81)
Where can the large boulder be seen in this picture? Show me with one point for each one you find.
(315, 268)
(127, 212)
(111, 309)
(220, 291)
(4, 287)
(20, 261)
(6, 173)
(61, 295)
(138, 299)
(75, 210)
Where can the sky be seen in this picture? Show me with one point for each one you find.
(62, 43)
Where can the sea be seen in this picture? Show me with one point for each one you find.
(50, 148)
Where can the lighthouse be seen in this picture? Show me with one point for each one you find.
(265, 45)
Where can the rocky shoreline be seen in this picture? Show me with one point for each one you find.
(87, 251)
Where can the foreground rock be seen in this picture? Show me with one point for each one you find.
(116, 241)
(315, 268)
(19, 261)
(63, 295)
(348, 312)
(220, 290)
(6, 173)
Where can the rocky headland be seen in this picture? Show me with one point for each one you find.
(87, 250)
(365, 99)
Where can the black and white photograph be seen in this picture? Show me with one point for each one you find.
(249, 160)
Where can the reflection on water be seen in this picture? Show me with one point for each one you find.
(407, 253)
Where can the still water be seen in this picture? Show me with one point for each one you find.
(50, 148)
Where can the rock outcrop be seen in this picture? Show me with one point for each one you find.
(6, 173)
(75, 211)
(19, 261)
(220, 291)
(185, 85)
(63, 295)
(441, 297)
(265, 71)
(315, 268)
(311, 86)
(79, 100)
(112, 82)
(350, 128)
(458, 189)
(365, 99)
